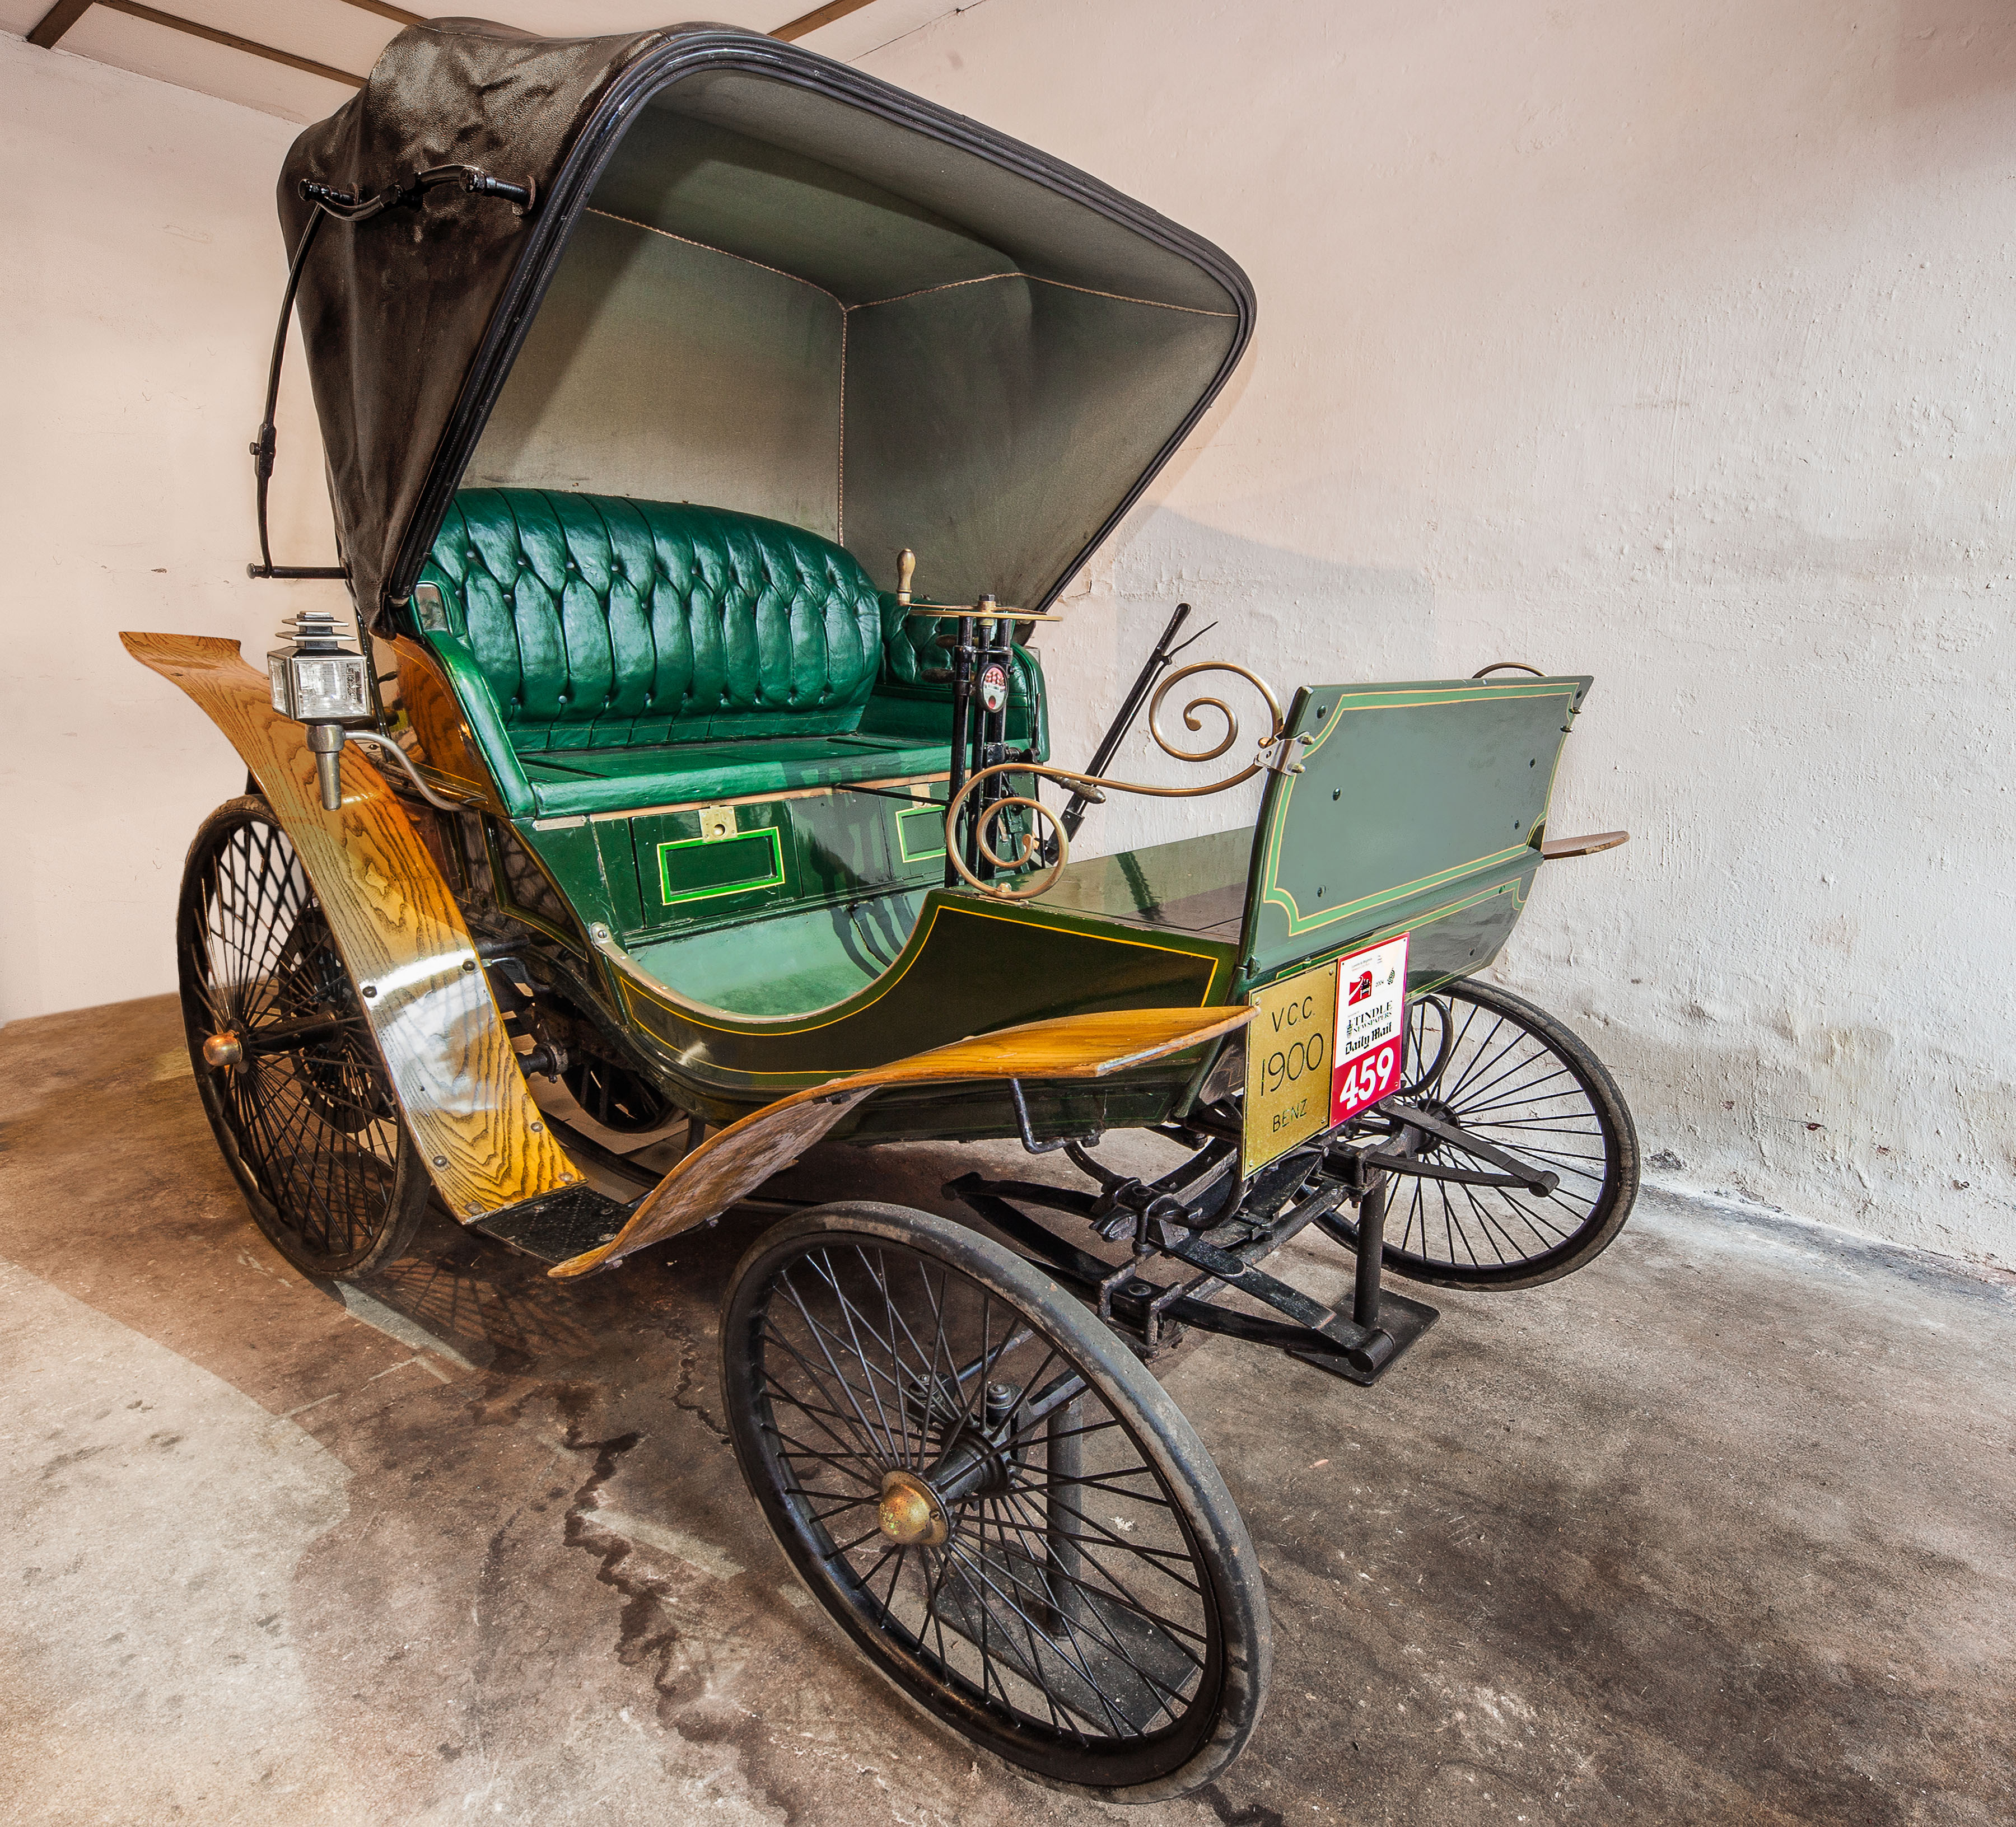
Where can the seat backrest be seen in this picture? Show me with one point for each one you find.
(601, 623)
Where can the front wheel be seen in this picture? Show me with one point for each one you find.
(995, 1500)
(291, 1079)
(1520, 1081)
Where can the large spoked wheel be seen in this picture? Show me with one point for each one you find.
(995, 1500)
(1516, 1079)
(292, 1080)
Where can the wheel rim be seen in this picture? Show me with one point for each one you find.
(965, 1498)
(1494, 1071)
(306, 1107)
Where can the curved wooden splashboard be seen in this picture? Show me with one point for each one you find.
(727, 1167)
(395, 923)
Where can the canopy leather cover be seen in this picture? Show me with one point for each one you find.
(1000, 350)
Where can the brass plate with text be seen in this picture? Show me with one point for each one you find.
(1289, 1045)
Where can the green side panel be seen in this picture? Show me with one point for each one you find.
(791, 962)
(683, 875)
(696, 868)
(842, 847)
(1062, 1107)
(1417, 808)
(617, 852)
(966, 967)
(920, 832)
(573, 861)
(1196, 884)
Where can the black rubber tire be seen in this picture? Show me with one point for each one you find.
(311, 1133)
(1509, 1238)
(1211, 1723)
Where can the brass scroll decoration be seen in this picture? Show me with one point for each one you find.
(1270, 755)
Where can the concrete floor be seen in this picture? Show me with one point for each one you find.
(1718, 1531)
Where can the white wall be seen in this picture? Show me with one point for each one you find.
(1671, 342)
(140, 268)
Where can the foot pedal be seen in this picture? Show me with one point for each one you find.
(559, 1228)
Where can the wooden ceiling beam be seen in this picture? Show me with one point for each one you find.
(65, 13)
(820, 16)
(55, 22)
(133, 9)
(385, 11)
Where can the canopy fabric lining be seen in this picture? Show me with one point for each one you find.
(658, 326)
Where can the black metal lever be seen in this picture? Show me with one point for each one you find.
(1108, 744)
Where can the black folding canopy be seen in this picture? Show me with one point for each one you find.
(750, 277)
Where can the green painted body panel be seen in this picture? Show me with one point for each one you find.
(967, 966)
(694, 868)
(1416, 807)
(1195, 885)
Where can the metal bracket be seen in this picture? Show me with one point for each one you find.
(1534, 1180)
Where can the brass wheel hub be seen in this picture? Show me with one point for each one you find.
(224, 1049)
(911, 1515)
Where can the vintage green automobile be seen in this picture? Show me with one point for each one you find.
(632, 828)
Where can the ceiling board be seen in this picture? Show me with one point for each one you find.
(189, 62)
(348, 37)
(345, 37)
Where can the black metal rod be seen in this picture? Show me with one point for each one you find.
(1371, 1247)
(265, 445)
(992, 745)
(962, 710)
(1116, 732)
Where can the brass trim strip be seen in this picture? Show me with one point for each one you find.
(751, 799)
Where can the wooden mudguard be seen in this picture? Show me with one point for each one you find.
(727, 1167)
(458, 1080)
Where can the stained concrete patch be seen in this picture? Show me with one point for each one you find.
(151, 1521)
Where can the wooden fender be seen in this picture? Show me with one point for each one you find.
(727, 1167)
(457, 1079)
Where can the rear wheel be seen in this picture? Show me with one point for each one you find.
(995, 1500)
(291, 1079)
(1516, 1079)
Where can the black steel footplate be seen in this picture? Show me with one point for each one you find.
(1157, 1313)
(560, 1227)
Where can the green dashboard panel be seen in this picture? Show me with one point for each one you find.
(1414, 807)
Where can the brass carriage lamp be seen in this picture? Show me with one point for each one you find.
(320, 683)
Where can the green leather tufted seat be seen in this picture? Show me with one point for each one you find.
(612, 654)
